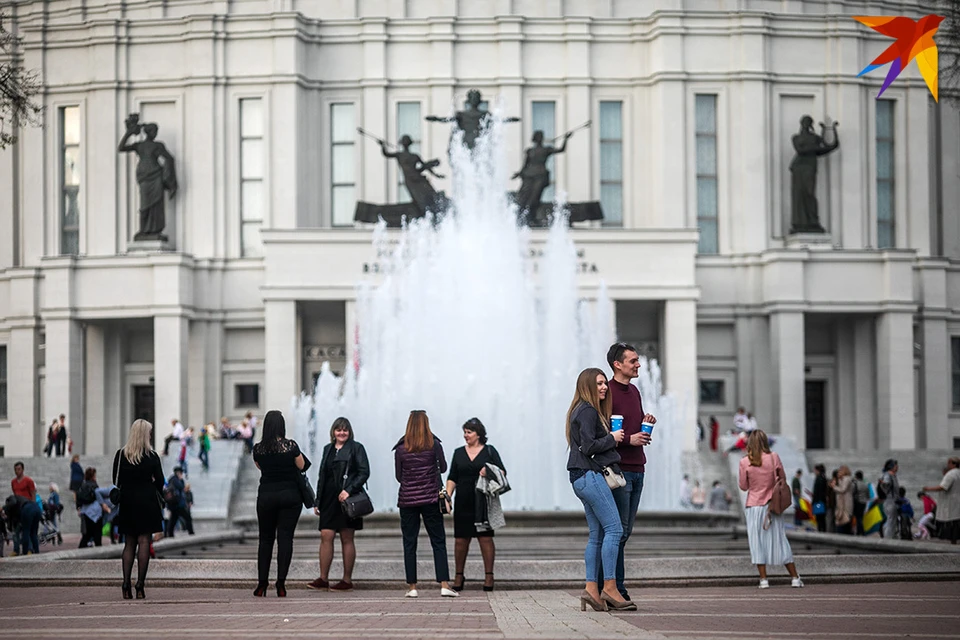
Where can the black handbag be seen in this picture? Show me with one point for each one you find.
(115, 492)
(358, 504)
(307, 495)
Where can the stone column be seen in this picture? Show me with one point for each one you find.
(64, 364)
(282, 353)
(171, 347)
(865, 383)
(680, 364)
(22, 393)
(94, 401)
(936, 387)
(787, 349)
(895, 397)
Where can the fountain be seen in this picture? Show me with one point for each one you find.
(463, 325)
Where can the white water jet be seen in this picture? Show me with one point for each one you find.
(464, 324)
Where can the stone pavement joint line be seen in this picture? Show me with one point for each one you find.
(556, 614)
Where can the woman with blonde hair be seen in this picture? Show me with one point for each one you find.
(843, 509)
(419, 464)
(758, 477)
(138, 474)
(593, 448)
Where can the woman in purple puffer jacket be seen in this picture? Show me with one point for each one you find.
(419, 464)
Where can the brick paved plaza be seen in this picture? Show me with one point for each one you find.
(926, 610)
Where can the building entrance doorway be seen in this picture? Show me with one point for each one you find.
(816, 411)
(143, 409)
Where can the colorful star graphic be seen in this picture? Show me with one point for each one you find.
(914, 40)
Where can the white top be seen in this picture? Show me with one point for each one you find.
(740, 421)
(178, 431)
(948, 506)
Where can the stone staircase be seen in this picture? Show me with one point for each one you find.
(244, 502)
(212, 489)
(708, 466)
(917, 468)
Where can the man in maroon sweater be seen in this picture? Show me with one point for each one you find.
(625, 362)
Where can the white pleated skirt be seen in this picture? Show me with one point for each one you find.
(767, 546)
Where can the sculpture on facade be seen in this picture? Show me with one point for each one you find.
(803, 169)
(536, 177)
(472, 120)
(155, 174)
(424, 198)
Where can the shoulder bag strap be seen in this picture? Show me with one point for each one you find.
(116, 468)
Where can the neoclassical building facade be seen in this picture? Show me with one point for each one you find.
(849, 339)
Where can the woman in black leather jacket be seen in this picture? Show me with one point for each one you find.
(344, 469)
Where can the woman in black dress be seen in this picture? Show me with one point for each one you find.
(344, 469)
(468, 464)
(139, 475)
(279, 500)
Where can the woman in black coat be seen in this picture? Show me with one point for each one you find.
(279, 500)
(139, 475)
(344, 469)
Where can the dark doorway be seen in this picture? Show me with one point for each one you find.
(143, 408)
(816, 409)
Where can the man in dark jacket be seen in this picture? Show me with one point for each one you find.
(820, 497)
(176, 499)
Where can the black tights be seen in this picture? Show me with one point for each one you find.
(277, 516)
(138, 546)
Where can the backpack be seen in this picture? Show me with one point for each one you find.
(881, 494)
(87, 494)
(170, 495)
(782, 496)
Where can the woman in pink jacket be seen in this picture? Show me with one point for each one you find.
(768, 542)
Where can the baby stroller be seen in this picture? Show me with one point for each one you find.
(49, 531)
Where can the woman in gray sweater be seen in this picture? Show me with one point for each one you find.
(592, 447)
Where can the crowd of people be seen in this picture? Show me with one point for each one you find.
(606, 430)
(847, 503)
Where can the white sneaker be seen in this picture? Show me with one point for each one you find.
(412, 593)
(449, 593)
(796, 582)
(764, 584)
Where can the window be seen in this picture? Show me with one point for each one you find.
(885, 182)
(712, 392)
(342, 165)
(408, 124)
(544, 118)
(611, 162)
(247, 395)
(3, 383)
(706, 140)
(955, 369)
(251, 176)
(70, 180)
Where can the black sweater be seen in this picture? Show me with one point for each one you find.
(588, 438)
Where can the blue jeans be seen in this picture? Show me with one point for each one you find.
(603, 519)
(628, 500)
(30, 523)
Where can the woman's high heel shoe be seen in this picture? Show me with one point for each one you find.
(587, 599)
(459, 587)
(261, 590)
(281, 591)
(139, 589)
(488, 587)
(616, 605)
(127, 591)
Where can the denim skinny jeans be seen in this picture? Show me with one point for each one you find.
(603, 518)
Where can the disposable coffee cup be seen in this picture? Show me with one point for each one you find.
(646, 427)
(616, 423)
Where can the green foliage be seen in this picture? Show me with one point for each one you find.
(18, 87)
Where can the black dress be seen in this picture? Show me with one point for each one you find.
(334, 464)
(140, 487)
(465, 473)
